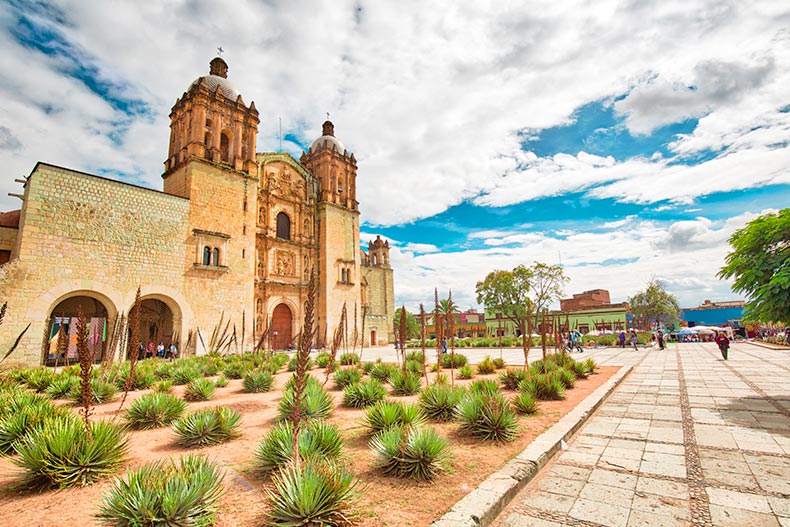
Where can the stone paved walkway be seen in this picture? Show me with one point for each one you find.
(687, 439)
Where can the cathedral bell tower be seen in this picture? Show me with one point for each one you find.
(210, 122)
(339, 271)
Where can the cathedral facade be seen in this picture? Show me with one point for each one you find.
(228, 245)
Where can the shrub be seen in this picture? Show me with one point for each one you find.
(16, 399)
(580, 370)
(322, 359)
(258, 382)
(364, 394)
(312, 493)
(567, 378)
(486, 366)
(465, 372)
(61, 455)
(457, 360)
(154, 410)
(590, 365)
(317, 439)
(101, 392)
(386, 414)
(183, 374)
(208, 427)
(499, 363)
(163, 386)
(412, 366)
(438, 401)
(543, 387)
(37, 378)
(525, 403)
(221, 381)
(416, 356)
(381, 371)
(346, 377)
(316, 402)
(405, 383)
(165, 493)
(486, 416)
(143, 379)
(511, 378)
(488, 386)
(349, 359)
(162, 369)
(200, 390)
(61, 386)
(411, 452)
(28, 413)
(440, 378)
(234, 370)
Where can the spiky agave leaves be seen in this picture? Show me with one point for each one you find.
(405, 382)
(317, 439)
(511, 378)
(200, 390)
(545, 387)
(154, 410)
(590, 365)
(62, 454)
(29, 412)
(386, 414)
(525, 403)
(347, 376)
(165, 492)
(313, 492)
(486, 366)
(100, 392)
(364, 394)
(316, 402)
(61, 386)
(438, 401)
(258, 381)
(208, 427)
(411, 452)
(486, 416)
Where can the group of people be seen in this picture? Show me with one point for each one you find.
(632, 339)
(161, 351)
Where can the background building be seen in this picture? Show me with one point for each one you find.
(709, 313)
(232, 238)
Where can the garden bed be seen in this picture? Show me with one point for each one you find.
(384, 501)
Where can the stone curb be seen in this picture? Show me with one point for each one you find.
(481, 506)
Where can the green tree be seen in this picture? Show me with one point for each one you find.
(654, 304)
(760, 265)
(412, 326)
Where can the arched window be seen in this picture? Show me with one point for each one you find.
(215, 256)
(224, 146)
(207, 255)
(283, 226)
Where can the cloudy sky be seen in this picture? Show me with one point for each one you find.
(625, 140)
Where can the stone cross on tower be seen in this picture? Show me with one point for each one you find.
(220, 51)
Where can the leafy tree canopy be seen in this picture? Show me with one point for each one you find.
(760, 265)
(522, 290)
(654, 304)
(412, 326)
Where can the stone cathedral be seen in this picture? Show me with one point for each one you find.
(233, 236)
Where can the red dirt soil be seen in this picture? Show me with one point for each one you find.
(383, 501)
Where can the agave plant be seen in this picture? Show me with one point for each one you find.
(322, 359)
(438, 401)
(486, 366)
(489, 386)
(590, 365)
(346, 377)
(510, 378)
(525, 403)
(416, 356)
(545, 387)
(154, 410)
(183, 374)
(486, 416)
(221, 381)
(381, 371)
(38, 412)
(208, 427)
(234, 370)
(62, 454)
(101, 392)
(499, 363)
(580, 370)
(318, 439)
(348, 359)
(61, 386)
(38, 378)
(199, 390)
(465, 372)
(386, 414)
(165, 493)
(411, 452)
(316, 402)
(456, 360)
(312, 493)
(405, 383)
(258, 381)
(293, 361)
(566, 377)
(364, 394)
(163, 386)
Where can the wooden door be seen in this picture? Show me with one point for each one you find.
(281, 327)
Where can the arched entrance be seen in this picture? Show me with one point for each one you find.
(61, 345)
(156, 324)
(373, 341)
(281, 327)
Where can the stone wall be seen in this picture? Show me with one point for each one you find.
(381, 304)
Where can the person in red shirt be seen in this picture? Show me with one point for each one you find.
(724, 344)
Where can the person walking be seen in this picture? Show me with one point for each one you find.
(634, 340)
(660, 338)
(724, 344)
(621, 337)
(444, 345)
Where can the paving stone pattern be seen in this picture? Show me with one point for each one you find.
(688, 439)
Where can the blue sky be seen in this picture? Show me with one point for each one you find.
(625, 140)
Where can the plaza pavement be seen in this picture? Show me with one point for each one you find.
(686, 439)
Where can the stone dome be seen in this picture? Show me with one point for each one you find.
(328, 139)
(218, 76)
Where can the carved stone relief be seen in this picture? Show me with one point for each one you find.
(284, 263)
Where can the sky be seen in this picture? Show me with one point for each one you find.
(624, 140)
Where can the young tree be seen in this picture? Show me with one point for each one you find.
(548, 284)
(412, 326)
(654, 304)
(760, 265)
(507, 292)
